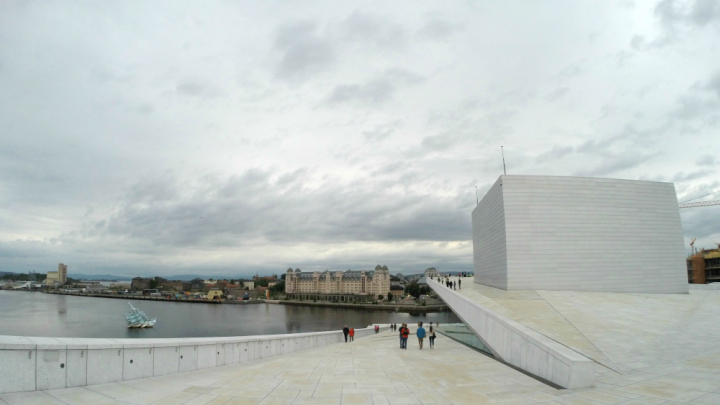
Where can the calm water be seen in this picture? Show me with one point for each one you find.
(37, 314)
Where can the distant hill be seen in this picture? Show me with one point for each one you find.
(2, 273)
(77, 276)
(183, 277)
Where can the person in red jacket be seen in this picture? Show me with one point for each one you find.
(352, 334)
(405, 332)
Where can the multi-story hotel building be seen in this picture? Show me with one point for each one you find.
(338, 285)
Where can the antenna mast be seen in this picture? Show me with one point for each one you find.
(503, 156)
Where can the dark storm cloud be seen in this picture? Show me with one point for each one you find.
(304, 51)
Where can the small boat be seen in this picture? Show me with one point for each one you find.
(137, 319)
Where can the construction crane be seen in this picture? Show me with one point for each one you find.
(692, 245)
(698, 204)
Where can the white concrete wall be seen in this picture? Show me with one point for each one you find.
(36, 363)
(489, 252)
(586, 234)
(519, 345)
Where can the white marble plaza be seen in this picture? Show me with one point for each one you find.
(659, 345)
(375, 371)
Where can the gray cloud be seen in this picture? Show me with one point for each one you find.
(438, 30)
(557, 94)
(704, 12)
(675, 15)
(381, 132)
(304, 52)
(706, 160)
(374, 30)
(557, 152)
(194, 88)
(615, 163)
(682, 176)
(203, 149)
(713, 84)
(252, 207)
(373, 92)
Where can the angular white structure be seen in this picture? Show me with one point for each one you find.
(579, 234)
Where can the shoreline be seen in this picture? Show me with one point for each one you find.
(372, 307)
(147, 298)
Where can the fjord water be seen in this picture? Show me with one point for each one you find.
(37, 314)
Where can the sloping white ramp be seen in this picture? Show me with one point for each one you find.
(519, 345)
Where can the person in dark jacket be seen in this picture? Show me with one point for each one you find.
(345, 332)
(404, 333)
(431, 337)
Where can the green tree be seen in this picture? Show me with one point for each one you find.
(413, 289)
(390, 296)
(278, 288)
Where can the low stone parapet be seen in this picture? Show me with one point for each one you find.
(520, 346)
(42, 363)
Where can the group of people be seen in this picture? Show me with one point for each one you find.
(349, 332)
(404, 334)
(421, 334)
(453, 285)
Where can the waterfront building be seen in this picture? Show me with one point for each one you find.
(140, 283)
(579, 234)
(431, 272)
(57, 277)
(340, 285)
(250, 285)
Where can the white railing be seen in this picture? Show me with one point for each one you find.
(41, 363)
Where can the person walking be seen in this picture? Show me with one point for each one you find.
(377, 328)
(420, 334)
(405, 335)
(346, 331)
(454, 285)
(431, 337)
(460, 284)
(401, 335)
(352, 334)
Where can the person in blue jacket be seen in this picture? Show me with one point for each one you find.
(420, 334)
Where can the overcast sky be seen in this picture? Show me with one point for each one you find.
(228, 138)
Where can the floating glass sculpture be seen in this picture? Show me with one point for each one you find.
(137, 318)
